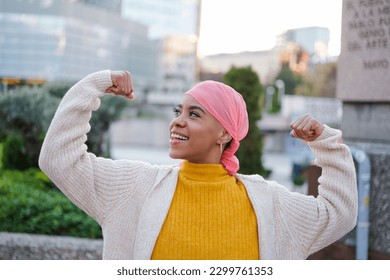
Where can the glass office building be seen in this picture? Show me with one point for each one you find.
(164, 18)
(66, 40)
(114, 6)
(314, 40)
(174, 26)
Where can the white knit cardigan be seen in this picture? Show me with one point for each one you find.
(130, 199)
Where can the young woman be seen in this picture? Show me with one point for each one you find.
(201, 208)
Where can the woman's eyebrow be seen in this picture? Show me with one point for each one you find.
(192, 107)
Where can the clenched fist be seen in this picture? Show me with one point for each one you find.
(122, 84)
(306, 128)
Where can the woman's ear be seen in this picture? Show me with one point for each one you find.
(226, 137)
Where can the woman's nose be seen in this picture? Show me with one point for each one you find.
(179, 121)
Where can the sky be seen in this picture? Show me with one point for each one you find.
(229, 26)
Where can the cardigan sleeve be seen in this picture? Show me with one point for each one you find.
(313, 223)
(94, 184)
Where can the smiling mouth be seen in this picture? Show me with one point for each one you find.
(175, 136)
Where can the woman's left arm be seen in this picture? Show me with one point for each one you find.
(320, 221)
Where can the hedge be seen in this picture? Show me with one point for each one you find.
(28, 204)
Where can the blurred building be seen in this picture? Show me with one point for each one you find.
(176, 68)
(164, 18)
(66, 40)
(296, 57)
(174, 28)
(265, 63)
(313, 40)
(114, 6)
(298, 48)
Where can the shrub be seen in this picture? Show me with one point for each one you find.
(110, 110)
(29, 205)
(27, 114)
(1, 156)
(16, 155)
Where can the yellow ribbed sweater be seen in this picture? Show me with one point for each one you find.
(210, 218)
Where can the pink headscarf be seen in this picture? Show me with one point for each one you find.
(229, 108)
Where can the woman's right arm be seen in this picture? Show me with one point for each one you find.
(94, 184)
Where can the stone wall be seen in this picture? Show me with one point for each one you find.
(363, 85)
(367, 126)
(379, 231)
(21, 246)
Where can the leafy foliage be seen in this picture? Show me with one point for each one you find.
(29, 205)
(28, 113)
(290, 79)
(247, 82)
(110, 110)
(321, 81)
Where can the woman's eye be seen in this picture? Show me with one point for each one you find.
(176, 111)
(194, 114)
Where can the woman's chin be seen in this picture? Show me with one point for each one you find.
(174, 155)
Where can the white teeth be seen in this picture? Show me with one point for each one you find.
(177, 136)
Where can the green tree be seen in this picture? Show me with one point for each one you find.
(290, 79)
(321, 81)
(246, 82)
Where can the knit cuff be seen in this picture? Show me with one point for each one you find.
(101, 80)
(329, 135)
(328, 132)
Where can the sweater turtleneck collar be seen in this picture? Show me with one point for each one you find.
(203, 171)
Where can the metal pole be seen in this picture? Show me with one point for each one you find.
(363, 221)
(281, 88)
(270, 90)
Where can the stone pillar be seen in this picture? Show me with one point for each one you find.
(363, 84)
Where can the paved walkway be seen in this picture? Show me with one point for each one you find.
(280, 164)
